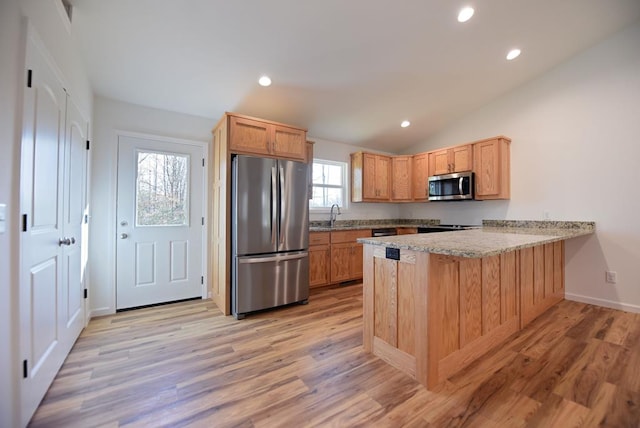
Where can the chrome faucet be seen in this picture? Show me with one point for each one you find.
(332, 215)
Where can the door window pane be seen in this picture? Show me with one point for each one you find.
(162, 187)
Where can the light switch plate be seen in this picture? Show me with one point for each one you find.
(3, 218)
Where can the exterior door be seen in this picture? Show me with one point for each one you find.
(160, 222)
(52, 183)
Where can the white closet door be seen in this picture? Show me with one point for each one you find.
(51, 198)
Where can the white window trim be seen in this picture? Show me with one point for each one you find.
(345, 186)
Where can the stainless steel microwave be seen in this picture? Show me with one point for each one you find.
(451, 187)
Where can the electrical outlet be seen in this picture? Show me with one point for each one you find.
(547, 216)
(3, 218)
(611, 277)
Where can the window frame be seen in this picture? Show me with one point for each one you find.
(345, 185)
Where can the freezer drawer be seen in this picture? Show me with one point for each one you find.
(262, 282)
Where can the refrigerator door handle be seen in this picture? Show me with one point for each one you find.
(250, 260)
(274, 211)
(282, 207)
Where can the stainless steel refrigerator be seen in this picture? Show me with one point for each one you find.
(270, 234)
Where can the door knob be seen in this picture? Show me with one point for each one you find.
(123, 236)
(73, 240)
(64, 241)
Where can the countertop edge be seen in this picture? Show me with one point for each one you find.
(540, 239)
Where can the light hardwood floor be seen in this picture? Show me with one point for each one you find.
(187, 365)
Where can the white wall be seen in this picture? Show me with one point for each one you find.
(330, 150)
(575, 154)
(111, 116)
(11, 52)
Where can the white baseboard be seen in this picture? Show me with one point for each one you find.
(602, 302)
(100, 312)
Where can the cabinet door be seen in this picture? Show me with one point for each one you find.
(369, 190)
(383, 170)
(289, 142)
(420, 173)
(319, 262)
(461, 158)
(487, 168)
(341, 262)
(440, 162)
(356, 261)
(401, 181)
(491, 166)
(249, 136)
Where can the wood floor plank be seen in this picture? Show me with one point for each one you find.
(186, 364)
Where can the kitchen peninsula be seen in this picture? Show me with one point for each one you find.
(434, 303)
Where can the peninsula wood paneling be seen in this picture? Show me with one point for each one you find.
(386, 301)
(541, 279)
(406, 307)
(470, 301)
(509, 299)
(490, 293)
(558, 267)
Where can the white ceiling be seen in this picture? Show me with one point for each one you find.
(348, 70)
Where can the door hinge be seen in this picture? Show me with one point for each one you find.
(202, 280)
(25, 369)
(86, 293)
(88, 144)
(202, 161)
(203, 221)
(86, 219)
(29, 76)
(24, 222)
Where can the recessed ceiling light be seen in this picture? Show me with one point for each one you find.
(264, 81)
(405, 123)
(513, 54)
(465, 14)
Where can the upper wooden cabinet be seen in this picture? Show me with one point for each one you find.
(401, 186)
(370, 177)
(249, 135)
(420, 173)
(454, 159)
(491, 166)
(379, 178)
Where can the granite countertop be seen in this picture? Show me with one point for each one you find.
(495, 237)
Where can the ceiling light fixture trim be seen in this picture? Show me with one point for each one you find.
(513, 54)
(465, 14)
(264, 81)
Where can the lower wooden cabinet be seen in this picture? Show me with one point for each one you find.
(346, 255)
(335, 257)
(319, 258)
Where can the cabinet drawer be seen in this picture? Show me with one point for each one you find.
(319, 238)
(406, 230)
(349, 235)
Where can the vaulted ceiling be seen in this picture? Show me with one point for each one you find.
(348, 70)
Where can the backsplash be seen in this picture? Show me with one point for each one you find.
(379, 222)
(537, 224)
